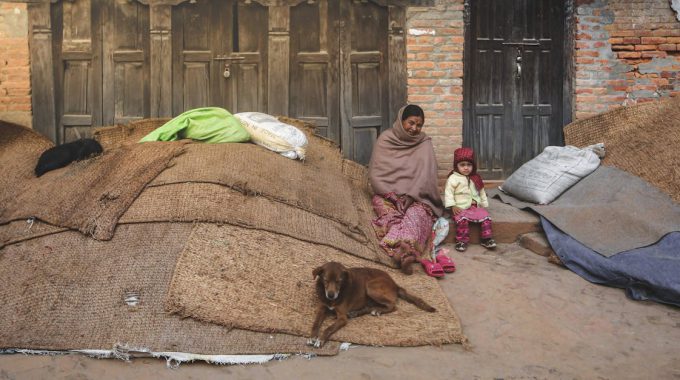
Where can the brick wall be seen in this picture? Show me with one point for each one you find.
(434, 49)
(15, 87)
(627, 51)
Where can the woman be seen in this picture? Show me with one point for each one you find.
(403, 175)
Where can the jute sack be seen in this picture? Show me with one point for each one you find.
(551, 173)
(267, 131)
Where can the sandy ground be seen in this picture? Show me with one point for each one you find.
(526, 319)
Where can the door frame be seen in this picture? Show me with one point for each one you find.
(569, 68)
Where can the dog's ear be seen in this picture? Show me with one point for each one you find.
(345, 276)
(317, 272)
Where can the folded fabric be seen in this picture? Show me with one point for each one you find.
(649, 273)
(208, 124)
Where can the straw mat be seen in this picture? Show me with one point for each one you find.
(20, 148)
(67, 291)
(21, 230)
(91, 195)
(262, 281)
(206, 202)
(642, 139)
(254, 170)
(126, 134)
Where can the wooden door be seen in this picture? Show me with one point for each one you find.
(514, 74)
(340, 70)
(219, 55)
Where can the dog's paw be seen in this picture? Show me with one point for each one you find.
(375, 313)
(315, 342)
(352, 314)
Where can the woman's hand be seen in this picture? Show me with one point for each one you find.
(456, 210)
(404, 203)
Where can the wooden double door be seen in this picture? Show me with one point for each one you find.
(337, 63)
(517, 94)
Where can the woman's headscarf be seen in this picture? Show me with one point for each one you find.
(405, 164)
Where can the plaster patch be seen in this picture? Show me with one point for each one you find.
(656, 65)
(675, 4)
(421, 32)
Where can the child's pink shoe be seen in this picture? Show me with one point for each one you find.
(432, 269)
(446, 263)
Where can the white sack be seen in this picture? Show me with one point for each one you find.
(551, 173)
(267, 131)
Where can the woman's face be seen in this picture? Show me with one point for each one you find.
(412, 125)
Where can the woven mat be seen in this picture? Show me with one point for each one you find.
(125, 134)
(254, 170)
(21, 230)
(207, 202)
(66, 291)
(91, 195)
(263, 281)
(20, 149)
(643, 140)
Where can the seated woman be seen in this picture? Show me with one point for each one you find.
(403, 175)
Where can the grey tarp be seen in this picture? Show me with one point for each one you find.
(609, 211)
(649, 273)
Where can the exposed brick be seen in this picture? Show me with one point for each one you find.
(625, 55)
(668, 47)
(653, 40)
(645, 47)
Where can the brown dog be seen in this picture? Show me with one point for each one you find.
(351, 292)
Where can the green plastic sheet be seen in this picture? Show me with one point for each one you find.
(207, 124)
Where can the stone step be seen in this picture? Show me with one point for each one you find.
(537, 243)
(509, 223)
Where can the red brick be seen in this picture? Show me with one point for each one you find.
(668, 47)
(623, 47)
(645, 47)
(653, 40)
(628, 55)
(631, 40)
(654, 54)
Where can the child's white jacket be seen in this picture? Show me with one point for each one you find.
(460, 192)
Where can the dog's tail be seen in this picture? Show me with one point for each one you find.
(415, 300)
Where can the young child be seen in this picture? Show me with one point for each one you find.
(465, 196)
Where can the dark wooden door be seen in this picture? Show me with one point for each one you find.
(514, 74)
(220, 55)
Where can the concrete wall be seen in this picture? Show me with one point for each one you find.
(15, 86)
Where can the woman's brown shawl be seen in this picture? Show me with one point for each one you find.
(405, 164)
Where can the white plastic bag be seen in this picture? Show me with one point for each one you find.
(267, 131)
(551, 173)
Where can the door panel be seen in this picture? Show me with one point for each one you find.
(515, 75)
(364, 101)
(219, 50)
(125, 82)
(314, 66)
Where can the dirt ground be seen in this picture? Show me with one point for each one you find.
(526, 319)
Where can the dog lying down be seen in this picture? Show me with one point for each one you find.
(351, 292)
(62, 155)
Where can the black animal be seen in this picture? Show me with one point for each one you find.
(62, 155)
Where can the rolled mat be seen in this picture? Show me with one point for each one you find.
(263, 281)
(642, 139)
(67, 291)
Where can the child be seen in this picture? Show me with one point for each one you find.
(465, 195)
